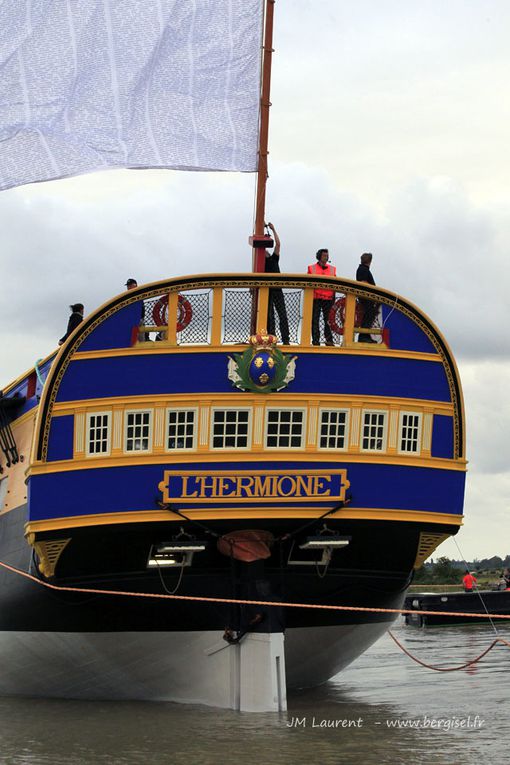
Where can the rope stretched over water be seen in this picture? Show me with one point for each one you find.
(448, 669)
(239, 601)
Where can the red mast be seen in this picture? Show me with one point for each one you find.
(257, 240)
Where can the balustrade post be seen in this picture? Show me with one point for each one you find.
(262, 308)
(306, 324)
(217, 315)
(171, 333)
(350, 313)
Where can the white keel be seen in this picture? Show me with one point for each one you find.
(260, 678)
(185, 667)
(257, 673)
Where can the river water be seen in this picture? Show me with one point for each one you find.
(384, 708)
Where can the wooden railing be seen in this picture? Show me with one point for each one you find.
(223, 316)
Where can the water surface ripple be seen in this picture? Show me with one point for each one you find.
(382, 709)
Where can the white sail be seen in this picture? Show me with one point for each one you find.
(91, 84)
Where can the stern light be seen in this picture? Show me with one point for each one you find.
(175, 553)
(322, 541)
(176, 547)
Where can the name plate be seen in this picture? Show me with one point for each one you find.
(246, 486)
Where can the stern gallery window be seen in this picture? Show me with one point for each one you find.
(333, 429)
(231, 428)
(98, 433)
(138, 431)
(410, 432)
(285, 428)
(181, 430)
(374, 431)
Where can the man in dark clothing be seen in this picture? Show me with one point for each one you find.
(132, 284)
(75, 319)
(363, 274)
(276, 302)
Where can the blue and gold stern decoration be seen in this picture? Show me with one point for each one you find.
(262, 368)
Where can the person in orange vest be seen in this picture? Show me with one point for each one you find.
(469, 582)
(322, 298)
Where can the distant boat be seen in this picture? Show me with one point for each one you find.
(477, 602)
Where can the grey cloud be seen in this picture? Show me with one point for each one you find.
(432, 246)
(486, 510)
(448, 256)
(486, 386)
(57, 250)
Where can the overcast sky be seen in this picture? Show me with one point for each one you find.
(389, 133)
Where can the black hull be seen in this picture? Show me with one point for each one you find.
(481, 602)
(92, 646)
(372, 572)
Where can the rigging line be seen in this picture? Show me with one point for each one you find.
(37, 372)
(476, 590)
(170, 592)
(447, 669)
(393, 309)
(322, 574)
(292, 534)
(189, 520)
(7, 442)
(5, 429)
(277, 604)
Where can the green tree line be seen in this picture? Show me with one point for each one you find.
(446, 571)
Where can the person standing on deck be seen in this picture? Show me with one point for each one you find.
(322, 298)
(364, 274)
(75, 318)
(132, 284)
(276, 304)
(469, 582)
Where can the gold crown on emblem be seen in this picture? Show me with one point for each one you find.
(263, 339)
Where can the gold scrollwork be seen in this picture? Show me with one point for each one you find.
(338, 284)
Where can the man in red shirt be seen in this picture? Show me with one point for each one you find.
(322, 298)
(469, 582)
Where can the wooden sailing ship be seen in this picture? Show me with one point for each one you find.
(173, 447)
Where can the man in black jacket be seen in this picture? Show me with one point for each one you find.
(364, 274)
(75, 319)
(276, 298)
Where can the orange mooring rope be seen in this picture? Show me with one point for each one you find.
(93, 591)
(279, 604)
(448, 669)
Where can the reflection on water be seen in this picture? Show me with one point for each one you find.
(367, 714)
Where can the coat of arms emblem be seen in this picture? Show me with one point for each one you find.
(262, 368)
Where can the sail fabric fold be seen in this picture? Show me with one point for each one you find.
(87, 85)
